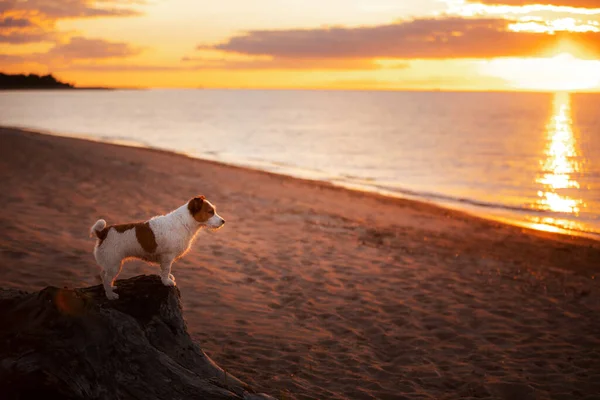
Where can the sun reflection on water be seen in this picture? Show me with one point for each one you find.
(559, 166)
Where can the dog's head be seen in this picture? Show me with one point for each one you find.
(205, 213)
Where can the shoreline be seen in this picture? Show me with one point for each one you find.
(472, 210)
(312, 291)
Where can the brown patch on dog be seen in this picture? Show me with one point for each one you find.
(102, 235)
(143, 233)
(195, 204)
(125, 227)
(199, 209)
(145, 236)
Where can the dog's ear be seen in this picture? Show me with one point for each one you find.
(195, 204)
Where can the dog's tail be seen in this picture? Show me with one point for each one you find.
(98, 226)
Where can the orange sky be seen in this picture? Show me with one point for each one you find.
(340, 44)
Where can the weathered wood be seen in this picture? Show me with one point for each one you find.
(76, 344)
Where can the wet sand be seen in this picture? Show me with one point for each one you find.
(317, 292)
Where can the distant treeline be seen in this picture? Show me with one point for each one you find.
(31, 81)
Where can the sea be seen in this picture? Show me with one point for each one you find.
(531, 159)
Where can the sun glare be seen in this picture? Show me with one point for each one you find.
(559, 167)
(560, 162)
(563, 72)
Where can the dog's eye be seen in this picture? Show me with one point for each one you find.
(211, 212)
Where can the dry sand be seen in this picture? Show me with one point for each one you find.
(316, 292)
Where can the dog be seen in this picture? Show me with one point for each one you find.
(161, 240)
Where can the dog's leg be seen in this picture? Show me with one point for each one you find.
(165, 272)
(103, 276)
(108, 277)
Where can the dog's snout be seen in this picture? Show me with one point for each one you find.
(222, 221)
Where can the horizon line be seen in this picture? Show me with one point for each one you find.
(426, 90)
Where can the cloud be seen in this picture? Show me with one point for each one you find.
(10, 22)
(12, 58)
(556, 3)
(24, 37)
(34, 21)
(200, 63)
(21, 30)
(58, 9)
(287, 63)
(80, 48)
(119, 68)
(428, 38)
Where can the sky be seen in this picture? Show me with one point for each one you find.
(533, 45)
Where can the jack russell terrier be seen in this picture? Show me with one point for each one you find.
(161, 240)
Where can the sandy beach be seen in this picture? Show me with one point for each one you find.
(316, 292)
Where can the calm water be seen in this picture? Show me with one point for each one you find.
(534, 158)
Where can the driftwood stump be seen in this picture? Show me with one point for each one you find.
(76, 344)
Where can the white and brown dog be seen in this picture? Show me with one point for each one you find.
(162, 240)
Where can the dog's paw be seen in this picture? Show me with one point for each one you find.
(112, 296)
(168, 282)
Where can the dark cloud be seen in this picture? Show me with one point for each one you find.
(434, 38)
(20, 30)
(35, 21)
(57, 9)
(17, 17)
(558, 3)
(80, 48)
(10, 22)
(24, 37)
